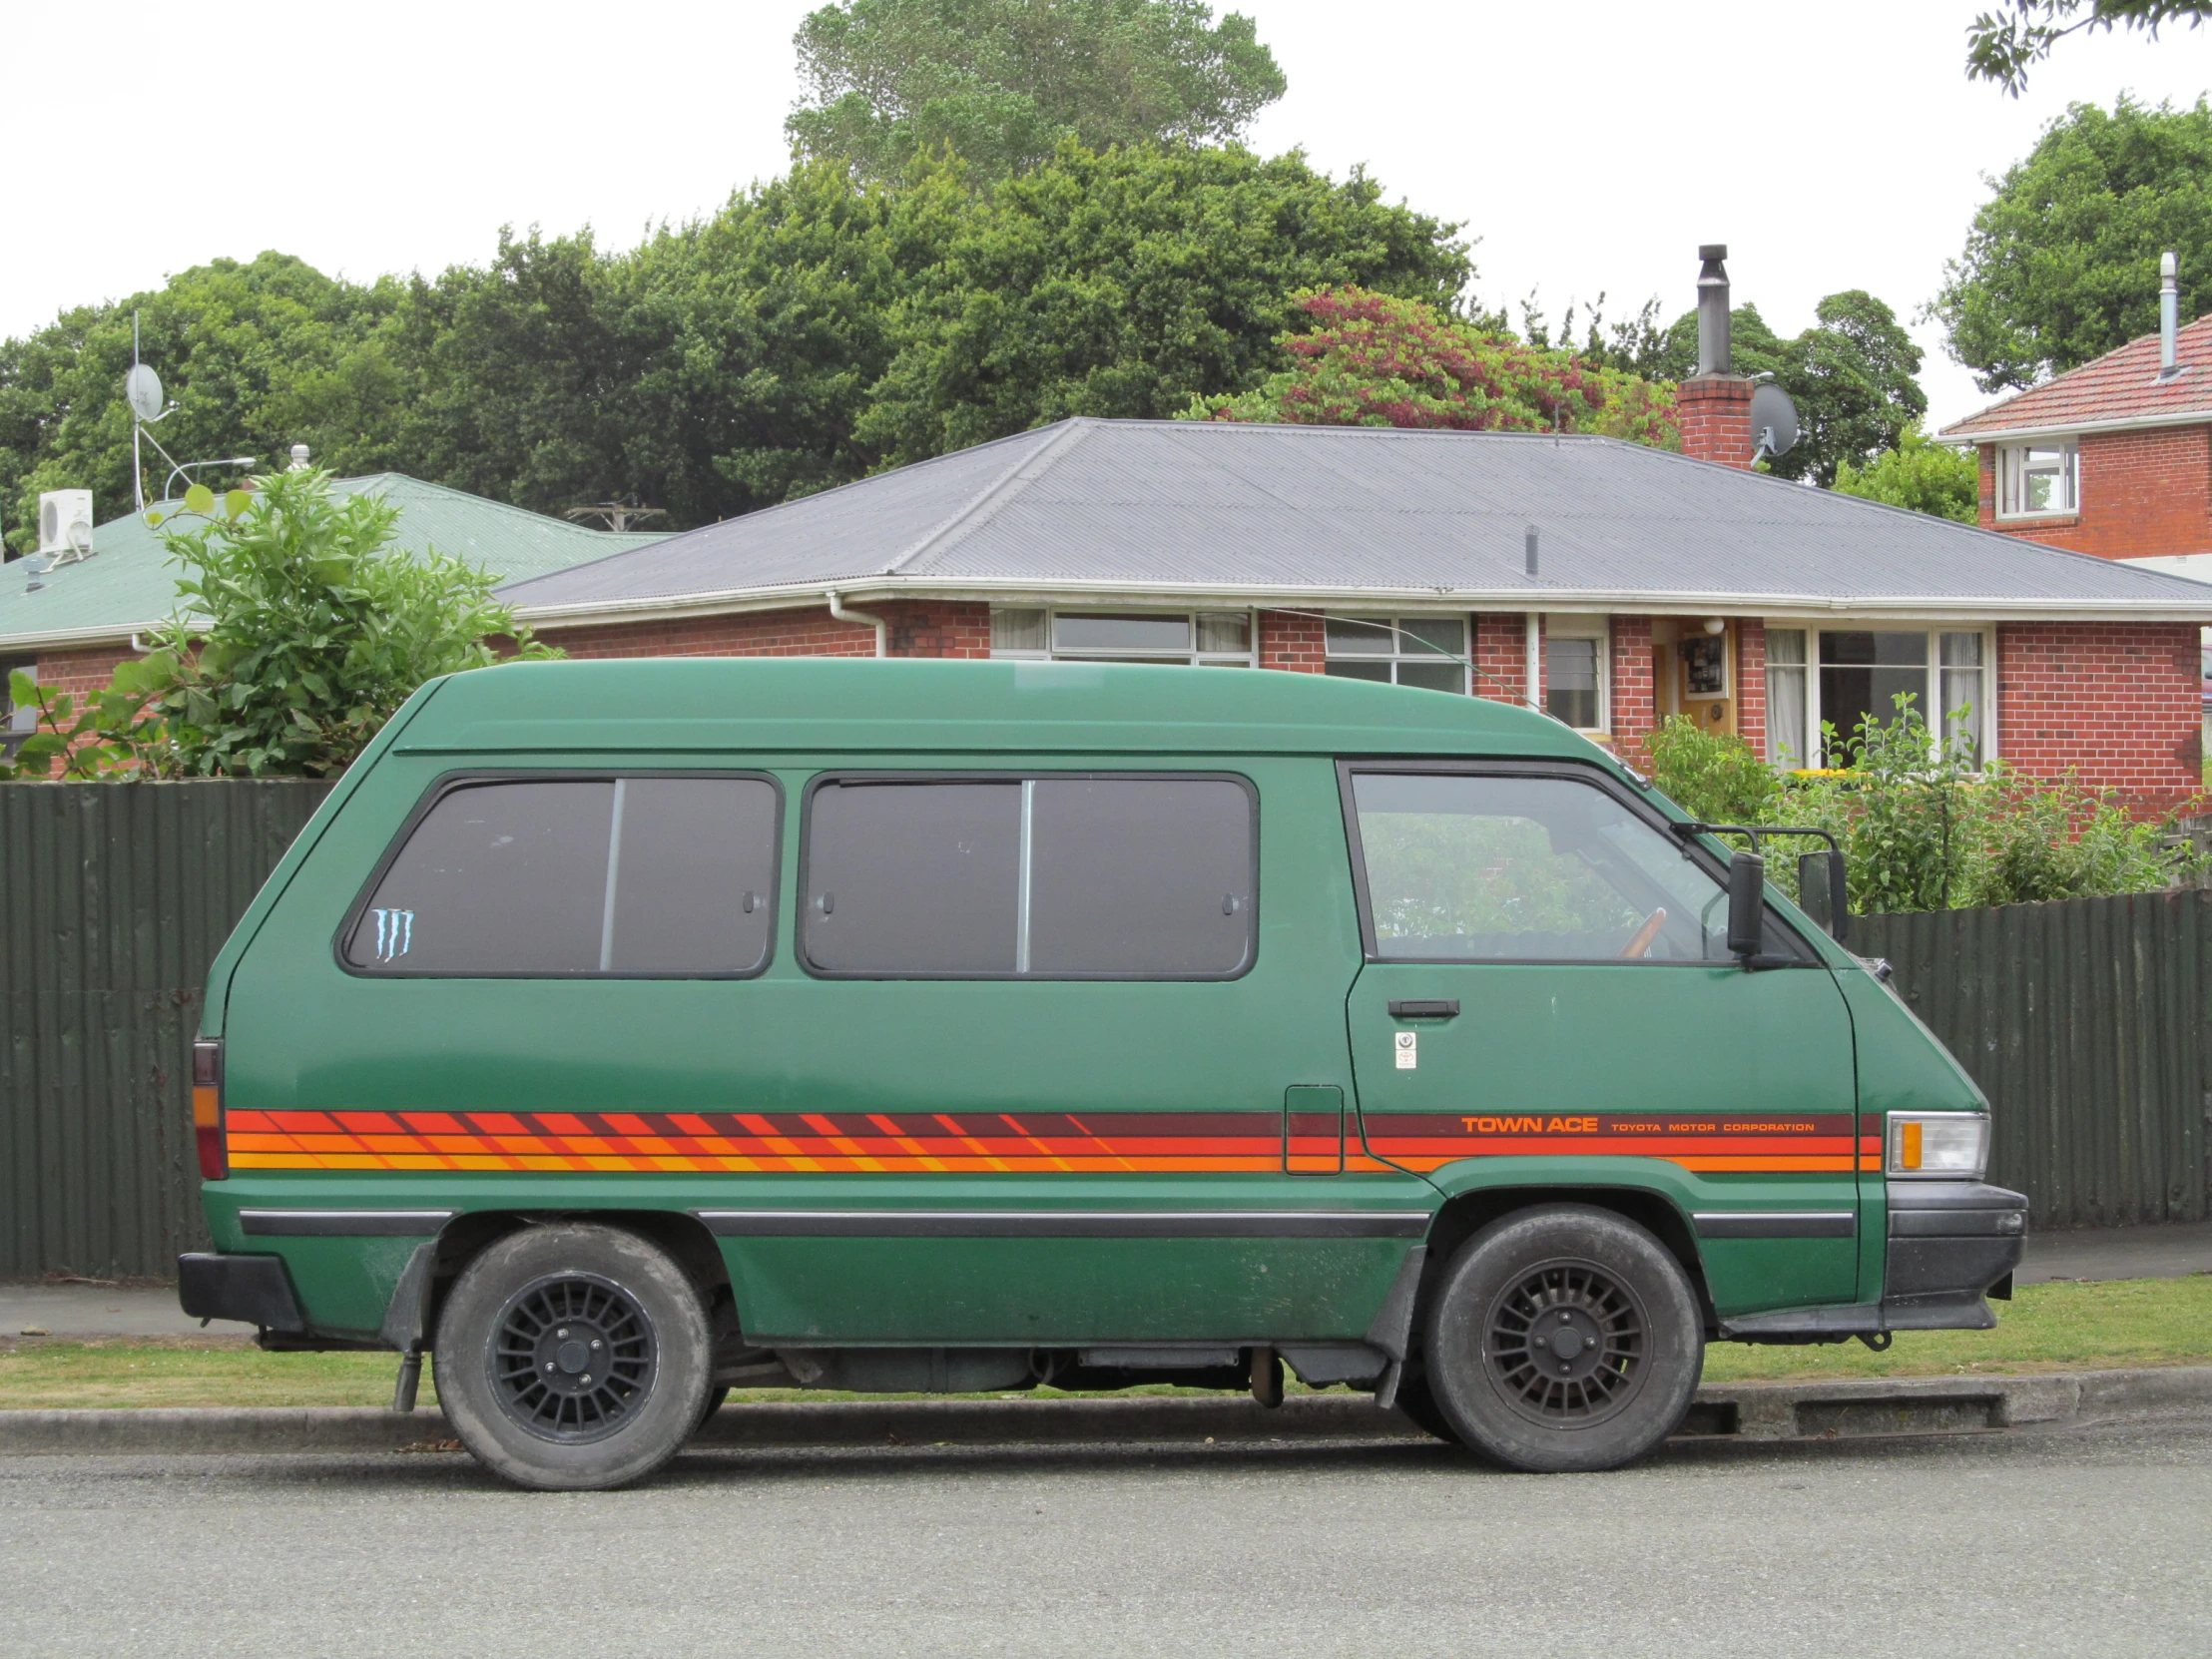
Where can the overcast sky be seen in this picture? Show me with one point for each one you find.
(1588, 147)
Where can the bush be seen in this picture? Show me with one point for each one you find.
(306, 632)
(1923, 830)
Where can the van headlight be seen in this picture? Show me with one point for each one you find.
(1948, 1146)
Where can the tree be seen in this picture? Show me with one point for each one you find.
(1850, 376)
(1920, 473)
(2061, 263)
(1123, 283)
(2001, 44)
(1002, 83)
(1374, 360)
(241, 350)
(304, 633)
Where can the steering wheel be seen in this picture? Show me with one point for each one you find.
(1641, 943)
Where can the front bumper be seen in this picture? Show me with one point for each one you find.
(1951, 1245)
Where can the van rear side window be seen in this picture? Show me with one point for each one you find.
(662, 878)
(1055, 878)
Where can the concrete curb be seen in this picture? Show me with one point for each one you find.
(1746, 1410)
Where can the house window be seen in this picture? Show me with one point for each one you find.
(1787, 694)
(1574, 671)
(1424, 650)
(2038, 480)
(1861, 673)
(1208, 639)
(16, 724)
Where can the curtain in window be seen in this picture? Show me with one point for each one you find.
(1786, 697)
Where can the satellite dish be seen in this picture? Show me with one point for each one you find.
(1774, 422)
(143, 389)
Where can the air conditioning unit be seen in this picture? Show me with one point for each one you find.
(64, 526)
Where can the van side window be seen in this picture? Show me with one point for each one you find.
(1072, 878)
(657, 877)
(1522, 869)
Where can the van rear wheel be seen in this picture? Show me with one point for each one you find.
(573, 1358)
(1564, 1339)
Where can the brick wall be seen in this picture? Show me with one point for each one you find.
(914, 629)
(81, 671)
(1501, 657)
(2143, 494)
(2119, 703)
(1634, 712)
(1296, 643)
(1715, 416)
(1751, 682)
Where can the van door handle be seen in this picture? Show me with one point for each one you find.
(1445, 1008)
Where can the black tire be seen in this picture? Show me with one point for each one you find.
(573, 1358)
(1417, 1403)
(715, 1396)
(1563, 1339)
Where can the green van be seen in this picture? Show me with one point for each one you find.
(625, 1032)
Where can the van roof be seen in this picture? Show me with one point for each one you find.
(813, 705)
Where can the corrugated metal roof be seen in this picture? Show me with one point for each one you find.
(129, 585)
(2119, 389)
(1171, 507)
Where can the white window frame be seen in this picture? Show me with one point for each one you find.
(1931, 699)
(1600, 630)
(1399, 651)
(2012, 473)
(1191, 655)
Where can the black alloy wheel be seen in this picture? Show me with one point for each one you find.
(1566, 1344)
(574, 1358)
(1563, 1338)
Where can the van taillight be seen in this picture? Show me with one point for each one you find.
(206, 1109)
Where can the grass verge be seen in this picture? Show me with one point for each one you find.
(2063, 1326)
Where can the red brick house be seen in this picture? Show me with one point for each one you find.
(2114, 459)
(1605, 582)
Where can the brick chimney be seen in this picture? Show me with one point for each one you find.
(1713, 405)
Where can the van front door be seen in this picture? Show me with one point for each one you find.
(1548, 1001)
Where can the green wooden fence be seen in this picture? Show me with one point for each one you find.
(2086, 1024)
(114, 898)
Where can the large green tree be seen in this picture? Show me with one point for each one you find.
(1001, 83)
(2003, 44)
(2061, 263)
(1920, 473)
(1127, 283)
(248, 351)
(1852, 376)
(817, 326)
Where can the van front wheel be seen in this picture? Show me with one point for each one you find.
(1564, 1339)
(573, 1358)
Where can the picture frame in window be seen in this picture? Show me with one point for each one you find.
(447, 784)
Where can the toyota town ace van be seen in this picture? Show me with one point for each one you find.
(623, 1033)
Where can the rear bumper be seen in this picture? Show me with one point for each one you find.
(253, 1289)
(1952, 1244)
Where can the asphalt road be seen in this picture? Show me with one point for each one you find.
(2080, 1543)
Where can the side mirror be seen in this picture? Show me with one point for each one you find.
(1824, 893)
(1747, 905)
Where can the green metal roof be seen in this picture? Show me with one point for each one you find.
(819, 704)
(129, 585)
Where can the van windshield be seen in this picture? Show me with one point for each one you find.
(1516, 868)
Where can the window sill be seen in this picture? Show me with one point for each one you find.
(2003, 519)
